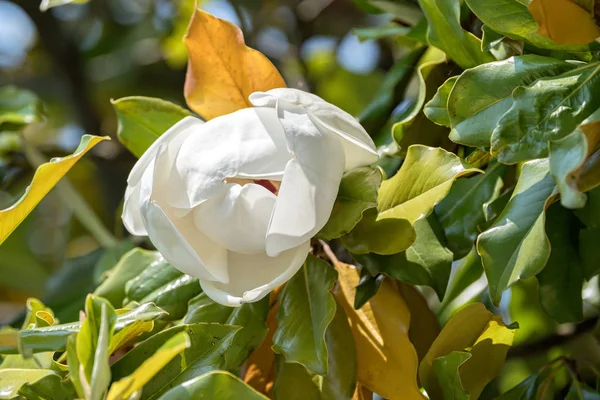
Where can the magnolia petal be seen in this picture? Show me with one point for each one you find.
(132, 215)
(358, 145)
(247, 143)
(309, 187)
(237, 221)
(250, 272)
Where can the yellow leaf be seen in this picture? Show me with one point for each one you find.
(387, 361)
(564, 22)
(479, 332)
(424, 325)
(362, 393)
(46, 177)
(222, 70)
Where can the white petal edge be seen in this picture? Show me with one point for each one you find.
(243, 269)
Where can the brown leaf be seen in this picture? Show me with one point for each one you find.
(222, 70)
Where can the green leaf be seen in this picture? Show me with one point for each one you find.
(357, 193)
(128, 267)
(561, 280)
(143, 119)
(588, 251)
(293, 381)
(461, 212)
(467, 271)
(47, 4)
(228, 387)
(50, 387)
(306, 310)
(405, 11)
(578, 391)
(74, 365)
(515, 246)
(525, 390)
(389, 29)
(436, 109)
(251, 317)
(512, 19)
(208, 351)
(389, 94)
(127, 386)
(446, 369)
(446, 33)
(568, 162)
(18, 106)
(162, 284)
(92, 345)
(416, 128)
(425, 262)
(11, 380)
(54, 338)
(386, 236)
(548, 110)
(423, 181)
(367, 287)
(482, 95)
(590, 214)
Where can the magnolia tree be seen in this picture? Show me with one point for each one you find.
(283, 254)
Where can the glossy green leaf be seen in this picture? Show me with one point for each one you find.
(446, 33)
(126, 387)
(548, 110)
(162, 284)
(461, 212)
(54, 338)
(425, 262)
(567, 158)
(357, 193)
(416, 128)
(512, 19)
(436, 109)
(367, 287)
(11, 380)
(516, 246)
(525, 390)
(293, 381)
(18, 106)
(306, 310)
(227, 385)
(251, 317)
(423, 181)
(446, 369)
(386, 236)
(208, 351)
(561, 280)
(74, 366)
(143, 119)
(92, 345)
(482, 95)
(50, 387)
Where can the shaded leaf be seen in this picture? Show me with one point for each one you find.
(446, 370)
(436, 109)
(50, 387)
(579, 391)
(474, 330)
(222, 71)
(227, 385)
(306, 310)
(357, 193)
(515, 246)
(446, 33)
(45, 178)
(143, 119)
(18, 106)
(564, 21)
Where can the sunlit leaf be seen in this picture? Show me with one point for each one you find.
(143, 119)
(50, 387)
(478, 332)
(222, 71)
(46, 4)
(18, 106)
(387, 361)
(45, 178)
(125, 387)
(306, 310)
(515, 246)
(227, 385)
(564, 21)
(11, 380)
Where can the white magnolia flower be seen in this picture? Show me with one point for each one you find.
(235, 201)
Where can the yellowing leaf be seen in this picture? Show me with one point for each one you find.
(564, 22)
(222, 70)
(478, 332)
(45, 178)
(387, 361)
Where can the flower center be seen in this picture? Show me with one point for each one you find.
(271, 186)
